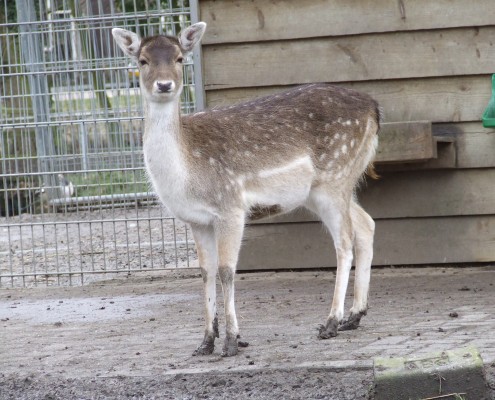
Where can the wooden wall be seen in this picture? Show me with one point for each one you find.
(423, 61)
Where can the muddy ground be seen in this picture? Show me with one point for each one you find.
(133, 338)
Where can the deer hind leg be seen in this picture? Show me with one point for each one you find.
(364, 228)
(204, 236)
(336, 217)
(229, 235)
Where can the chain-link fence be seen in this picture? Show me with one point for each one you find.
(74, 199)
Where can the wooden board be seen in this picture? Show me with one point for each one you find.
(435, 99)
(450, 52)
(397, 242)
(475, 145)
(430, 193)
(260, 20)
(405, 142)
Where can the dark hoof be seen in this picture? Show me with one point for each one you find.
(230, 346)
(329, 330)
(352, 322)
(206, 348)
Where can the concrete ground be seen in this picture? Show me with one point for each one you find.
(133, 338)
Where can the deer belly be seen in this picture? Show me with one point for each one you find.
(286, 186)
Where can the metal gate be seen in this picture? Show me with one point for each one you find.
(74, 199)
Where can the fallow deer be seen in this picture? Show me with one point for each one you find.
(217, 169)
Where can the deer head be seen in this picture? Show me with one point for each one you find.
(160, 59)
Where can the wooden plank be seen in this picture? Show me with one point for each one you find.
(420, 194)
(435, 99)
(430, 193)
(397, 242)
(475, 145)
(231, 21)
(405, 142)
(450, 52)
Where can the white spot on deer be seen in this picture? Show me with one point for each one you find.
(357, 122)
(353, 143)
(344, 149)
(327, 127)
(196, 153)
(311, 115)
(212, 161)
(322, 157)
(330, 164)
(336, 154)
(348, 122)
(337, 136)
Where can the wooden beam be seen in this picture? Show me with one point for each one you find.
(440, 99)
(397, 242)
(234, 21)
(450, 52)
(405, 142)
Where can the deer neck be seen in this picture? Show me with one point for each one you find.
(163, 144)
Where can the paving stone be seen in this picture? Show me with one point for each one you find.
(458, 371)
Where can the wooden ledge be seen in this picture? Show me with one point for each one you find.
(414, 145)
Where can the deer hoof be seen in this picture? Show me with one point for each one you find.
(329, 330)
(206, 348)
(230, 346)
(352, 322)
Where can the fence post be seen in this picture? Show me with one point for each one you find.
(32, 57)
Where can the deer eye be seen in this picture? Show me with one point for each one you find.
(180, 60)
(143, 62)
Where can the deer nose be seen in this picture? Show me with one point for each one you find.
(164, 86)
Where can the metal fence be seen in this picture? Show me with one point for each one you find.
(74, 199)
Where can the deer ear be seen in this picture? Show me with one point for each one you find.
(190, 36)
(128, 41)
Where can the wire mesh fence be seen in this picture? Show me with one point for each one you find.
(74, 199)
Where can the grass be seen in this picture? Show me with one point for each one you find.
(109, 182)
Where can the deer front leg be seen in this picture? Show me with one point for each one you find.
(229, 235)
(364, 228)
(204, 237)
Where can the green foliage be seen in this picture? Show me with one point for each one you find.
(109, 182)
